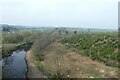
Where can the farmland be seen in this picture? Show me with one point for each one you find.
(66, 52)
(102, 47)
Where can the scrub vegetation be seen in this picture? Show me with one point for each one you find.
(67, 52)
(72, 54)
(12, 40)
(102, 47)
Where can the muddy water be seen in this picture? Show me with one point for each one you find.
(15, 65)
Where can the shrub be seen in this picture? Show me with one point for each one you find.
(7, 48)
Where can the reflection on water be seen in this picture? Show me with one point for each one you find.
(15, 66)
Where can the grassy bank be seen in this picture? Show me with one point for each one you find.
(38, 49)
(17, 40)
(7, 49)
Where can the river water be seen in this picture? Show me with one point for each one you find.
(15, 65)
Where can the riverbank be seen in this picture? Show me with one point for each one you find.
(33, 71)
(7, 49)
(60, 61)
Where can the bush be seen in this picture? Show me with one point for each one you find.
(7, 48)
(40, 65)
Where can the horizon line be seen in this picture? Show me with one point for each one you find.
(36, 26)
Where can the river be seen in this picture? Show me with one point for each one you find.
(15, 65)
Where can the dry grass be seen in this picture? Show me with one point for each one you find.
(66, 63)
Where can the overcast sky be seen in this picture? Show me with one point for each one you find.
(62, 13)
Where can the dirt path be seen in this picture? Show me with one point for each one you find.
(33, 71)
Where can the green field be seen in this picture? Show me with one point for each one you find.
(100, 46)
